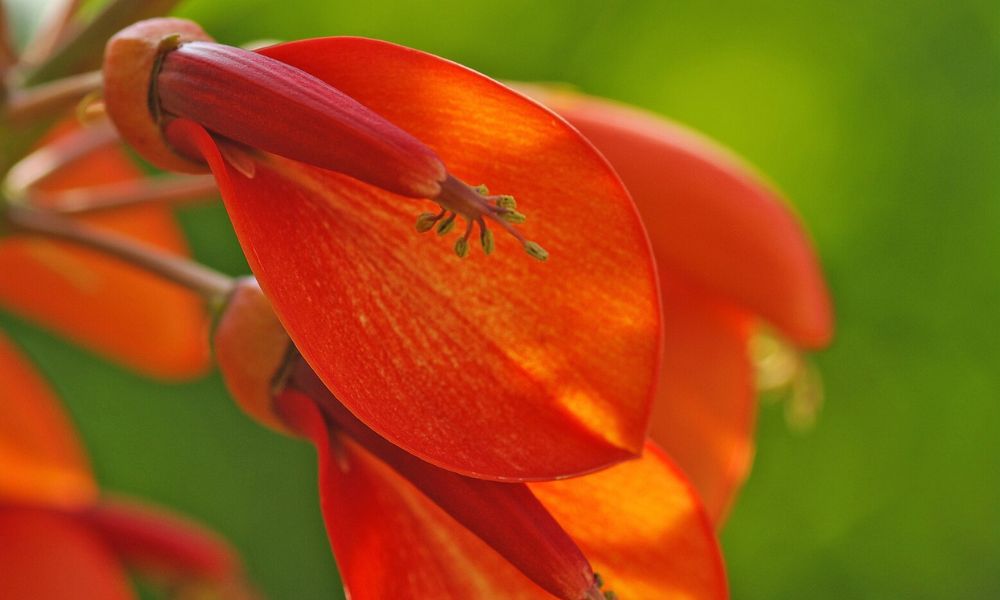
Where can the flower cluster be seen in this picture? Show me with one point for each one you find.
(565, 412)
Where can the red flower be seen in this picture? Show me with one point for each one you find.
(730, 254)
(61, 539)
(501, 368)
(403, 528)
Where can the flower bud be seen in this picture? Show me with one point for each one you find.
(251, 348)
(165, 68)
(274, 107)
(131, 59)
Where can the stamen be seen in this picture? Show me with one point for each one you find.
(536, 251)
(485, 238)
(426, 221)
(447, 225)
(512, 216)
(783, 373)
(462, 245)
(507, 202)
(475, 205)
(597, 592)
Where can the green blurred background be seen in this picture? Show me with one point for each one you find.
(880, 120)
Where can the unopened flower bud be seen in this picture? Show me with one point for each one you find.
(161, 68)
(131, 59)
(251, 348)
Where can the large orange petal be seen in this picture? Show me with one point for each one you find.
(51, 556)
(41, 460)
(495, 367)
(710, 216)
(706, 404)
(391, 541)
(100, 302)
(643, 529)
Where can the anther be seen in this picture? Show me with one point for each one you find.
(476, 205)
(486, 239)
(426, 221)
(512, 216)
(507, 202)
(536, 251)
(447, 225)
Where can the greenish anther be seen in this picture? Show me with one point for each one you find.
(447, 225)
(426, 221)
(512, 216)
(536, 251)
(486, 239)
(507, 202)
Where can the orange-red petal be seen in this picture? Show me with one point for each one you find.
(706, 405)
(391, 541)
(710, 216)
(100, 302)
(41, 460)
(46, 555)
(498, 367)
(643, 529)
(639, 523)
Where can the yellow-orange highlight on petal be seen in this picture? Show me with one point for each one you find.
(642, 528)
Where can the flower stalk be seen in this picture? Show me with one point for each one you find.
(54, 30)
(211, 285)
(168, 191)
(45, 162)
(8, 57)
(56, 97)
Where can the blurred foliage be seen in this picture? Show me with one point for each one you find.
(880, 120)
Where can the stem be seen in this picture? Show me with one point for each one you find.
(124, 194)
(210, 284)
(51, 98)
(83, 48)
(51, 32)
(8, 57)
(48, 160)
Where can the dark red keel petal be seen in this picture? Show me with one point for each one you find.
(501, 367)
(46, 555)
(391, 541)
(269, 105)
